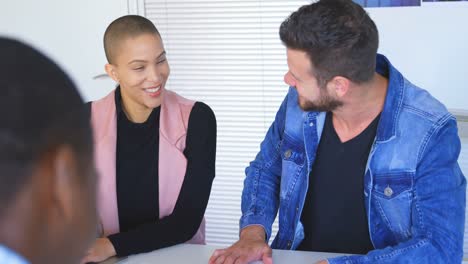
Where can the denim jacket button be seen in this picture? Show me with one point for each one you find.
(311, 124)
(388, 191)
(289, 244)
(287, 153)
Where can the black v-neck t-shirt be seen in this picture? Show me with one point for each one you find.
(334, 215)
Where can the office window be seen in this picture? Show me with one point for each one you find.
(228, 54)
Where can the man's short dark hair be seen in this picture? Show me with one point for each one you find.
(339, 37)
(41, 109)
(123, 28)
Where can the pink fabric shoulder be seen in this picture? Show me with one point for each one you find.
(175, 112)
(104, 122)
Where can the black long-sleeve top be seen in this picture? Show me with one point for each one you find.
(141, 230)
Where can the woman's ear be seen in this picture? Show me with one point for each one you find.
(112, 72)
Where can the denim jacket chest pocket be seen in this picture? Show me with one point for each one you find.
(293, 160)
(392, 196)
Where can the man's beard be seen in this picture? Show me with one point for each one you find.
(325, 103)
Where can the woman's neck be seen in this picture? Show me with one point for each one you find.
(135, 112)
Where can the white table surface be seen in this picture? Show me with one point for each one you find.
(186, 253)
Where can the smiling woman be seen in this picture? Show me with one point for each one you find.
(141, 70)
(155, 150)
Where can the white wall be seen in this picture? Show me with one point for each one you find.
(70, 31)
(429, 45)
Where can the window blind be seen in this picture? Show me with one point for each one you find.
(227, 53)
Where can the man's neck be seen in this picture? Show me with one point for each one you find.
(363, 105)
(17, 229)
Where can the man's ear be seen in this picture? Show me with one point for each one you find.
(64, 173)
(112, 72)
(340, 85)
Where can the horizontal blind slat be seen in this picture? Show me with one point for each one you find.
(227, 53)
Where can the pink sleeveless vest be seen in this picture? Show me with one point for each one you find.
(175, 112)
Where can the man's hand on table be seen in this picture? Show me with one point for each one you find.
(250, 247)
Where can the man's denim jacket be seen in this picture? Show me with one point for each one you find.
(414, 190)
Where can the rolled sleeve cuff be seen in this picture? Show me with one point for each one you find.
(252, 220)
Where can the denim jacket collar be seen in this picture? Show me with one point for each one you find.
(387, 128)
